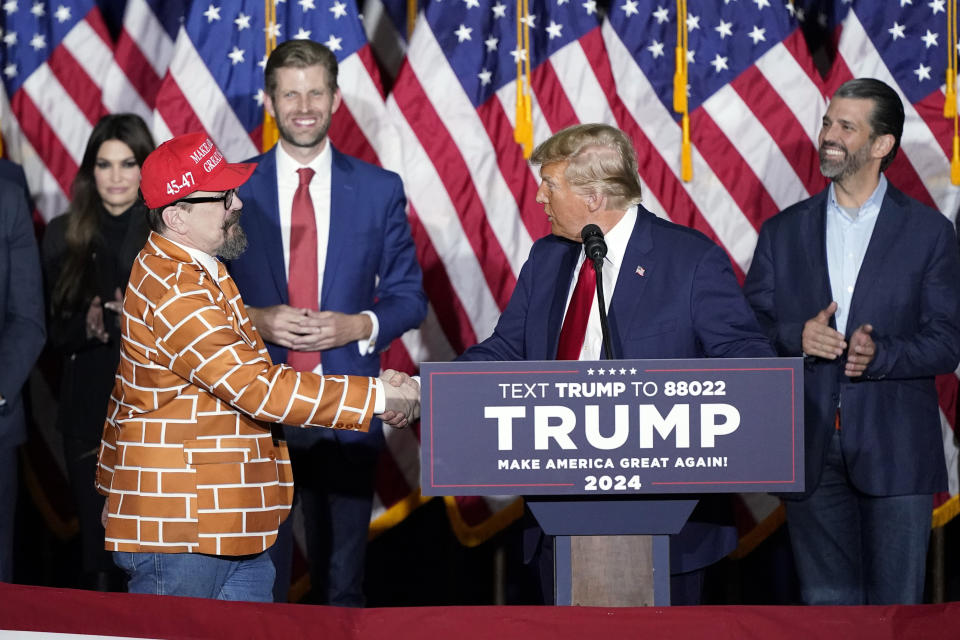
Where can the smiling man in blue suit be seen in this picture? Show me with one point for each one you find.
(670, 293)
(330, 279)
(864, 282)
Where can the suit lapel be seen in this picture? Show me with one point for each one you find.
(554, 319)
(639, 256)
(343, 206)
(890, 221)
(265, 229)
(813, 243)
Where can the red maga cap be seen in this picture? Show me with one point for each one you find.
(185, 164)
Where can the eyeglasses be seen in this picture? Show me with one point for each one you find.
(226, 199)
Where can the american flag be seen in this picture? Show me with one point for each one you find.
(904, 43)
(53, 57)
(143, 52)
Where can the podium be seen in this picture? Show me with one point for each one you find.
(608, 453)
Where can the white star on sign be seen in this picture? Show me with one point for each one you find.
(212, 13)
(757, 35)
(463, 33)
(719, 63)
(724, 29)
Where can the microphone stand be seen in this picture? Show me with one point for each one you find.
(604, 327)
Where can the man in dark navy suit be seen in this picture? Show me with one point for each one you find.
(22, 335)
(330, 279)
(671, 293)
(864, 283)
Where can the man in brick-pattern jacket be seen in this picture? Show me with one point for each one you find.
(197, 476)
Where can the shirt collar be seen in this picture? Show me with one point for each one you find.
(287, 166)
(209, 262)
(869, 208)
(618, 237)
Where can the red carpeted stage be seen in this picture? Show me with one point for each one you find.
(24, 608)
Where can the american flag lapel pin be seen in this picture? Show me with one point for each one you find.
(641, 271)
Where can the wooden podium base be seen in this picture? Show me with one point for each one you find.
(612, 571)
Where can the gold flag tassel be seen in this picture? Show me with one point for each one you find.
(950, 102)
(523, 126)
(680, 69)
(268, 132)
(411, 17)
(955, 160)
(680, 81)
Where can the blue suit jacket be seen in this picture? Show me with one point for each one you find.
(909, 290)
(371, 261)
(21, 308)
(686, 305)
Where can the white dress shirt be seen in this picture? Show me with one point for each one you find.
(616, 239)
(288, 180)
(847, 239)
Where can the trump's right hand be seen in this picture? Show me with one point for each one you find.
(402, 399)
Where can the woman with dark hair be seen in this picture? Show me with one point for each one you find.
(87, 256)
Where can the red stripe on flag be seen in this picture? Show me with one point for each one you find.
(655, 171)
(796, 44)
(446, 303)
(137, 68)
(373, 70)
(397, 357)
(930, 110)
(728, 165)
(175, 109)
(553, 100)
(453, 172)
(473, 509)
(947, 397)
(348, 137)
(44, 140)
(773, 113)
(513, 167)
(77, 83)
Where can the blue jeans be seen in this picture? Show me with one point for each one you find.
(852, 548)
(196, 575)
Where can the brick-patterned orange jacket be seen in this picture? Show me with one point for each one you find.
(190, 459)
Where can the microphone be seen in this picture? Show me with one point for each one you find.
(596, 250)
(593, 244)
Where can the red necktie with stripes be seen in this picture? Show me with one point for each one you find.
(574, 327)
(302, 282)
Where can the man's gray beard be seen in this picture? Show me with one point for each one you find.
(235, 244)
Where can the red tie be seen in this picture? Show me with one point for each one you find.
(302, 284)
(574, 327)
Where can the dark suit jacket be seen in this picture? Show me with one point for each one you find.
(21, 302)
(88, 365)
(686, 305)
(371, 261)
(909, 290)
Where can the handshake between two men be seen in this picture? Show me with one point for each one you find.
(402, 399)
